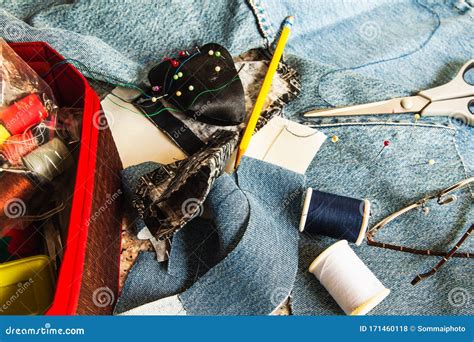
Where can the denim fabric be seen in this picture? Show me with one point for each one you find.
(260, 212)
(195, 251)
(346, 52)
(146, 282)
(121, 39)
(259, 273)
(399, 176)
(369, 52)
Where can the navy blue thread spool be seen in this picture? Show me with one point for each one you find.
(335, 216)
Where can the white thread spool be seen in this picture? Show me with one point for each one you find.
(349, 281)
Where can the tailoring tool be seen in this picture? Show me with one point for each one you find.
(443, 197)
(17, 146)
(194, 95)
(21, 115)
(335, 216)
(16, 190)
(277, 141)
(41, 166)
(49, 160)
(349, 281)
(262, 95)
(454, 99)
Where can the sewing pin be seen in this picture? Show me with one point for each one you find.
(386, 143)
(430, 162)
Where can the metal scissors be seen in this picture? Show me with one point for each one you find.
(454, 99)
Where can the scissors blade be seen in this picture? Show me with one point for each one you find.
(411, 104)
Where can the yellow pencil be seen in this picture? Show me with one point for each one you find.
(262, 95)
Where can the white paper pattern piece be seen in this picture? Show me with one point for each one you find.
(137, 139)
(287, 144)
(169, 306)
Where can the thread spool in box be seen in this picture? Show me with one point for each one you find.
(335, 216)
(21, 115)
(48, 160)
(17, 146)
(349, 281)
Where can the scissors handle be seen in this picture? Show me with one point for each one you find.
(456, 108)
(454, 89)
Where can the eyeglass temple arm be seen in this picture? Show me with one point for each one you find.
(431, 272)
(439, 196)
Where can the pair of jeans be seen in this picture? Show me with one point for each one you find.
(346, 53)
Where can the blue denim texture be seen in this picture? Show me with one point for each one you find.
(120, 40)
(195, 251)
(409, 47)
(256, 219)
(146, 282)
(346, 53)
(259, 273)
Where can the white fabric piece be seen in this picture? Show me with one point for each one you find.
(169, 306)
(137, 139)
(286, 143)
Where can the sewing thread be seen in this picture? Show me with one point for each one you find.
(18, 146)
(49, 160)
(349, 281)
(335, 216)
(17, 189)
(23, 114)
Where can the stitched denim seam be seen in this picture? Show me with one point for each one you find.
(263, 23)
(456, 147)
(381, 123)
(403, 55)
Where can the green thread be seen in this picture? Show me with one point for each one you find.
(169, 108)
(147, 115)
(212, 90)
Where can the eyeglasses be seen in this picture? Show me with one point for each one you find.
(443, 197)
